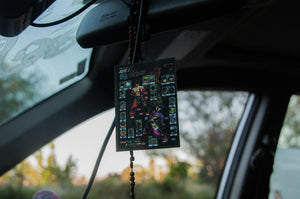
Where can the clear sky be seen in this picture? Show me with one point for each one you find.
(84, 141)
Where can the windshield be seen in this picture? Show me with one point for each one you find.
(207, 123)
(41, 61)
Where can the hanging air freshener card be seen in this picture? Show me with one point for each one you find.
(146, 106)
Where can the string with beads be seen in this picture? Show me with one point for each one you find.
(132, 178)
(134, 31)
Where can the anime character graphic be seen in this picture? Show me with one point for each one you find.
(151, 79)
(156, 125)
(172, 102)
(122, 133)
(128, 85)
(146, 80)
(122, 94)
(139, 128)
(131, 133)
(123, 116)
(122, 106)
(164, 79)
(171, 78)
(164, 91)
(138, 92)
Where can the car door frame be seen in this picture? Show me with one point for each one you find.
(250, 160)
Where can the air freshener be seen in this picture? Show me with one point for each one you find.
(146, 105)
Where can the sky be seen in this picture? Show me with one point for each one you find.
(84, 141)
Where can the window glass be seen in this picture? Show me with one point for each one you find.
(41, 61)
(207, 124)
(285, 178)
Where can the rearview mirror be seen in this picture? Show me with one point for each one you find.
(107, 22)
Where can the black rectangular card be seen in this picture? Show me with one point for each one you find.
(146, 105)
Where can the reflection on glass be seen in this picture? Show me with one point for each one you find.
(40, 61)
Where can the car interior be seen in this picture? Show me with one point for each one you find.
(233, 45)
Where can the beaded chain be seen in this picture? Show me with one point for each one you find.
(132, 178)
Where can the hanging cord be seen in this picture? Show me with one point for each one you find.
(138, 30)
(132, 178)
(96, 166)
(133, 41)
(76, 13)
(134, 28)
(134, 33)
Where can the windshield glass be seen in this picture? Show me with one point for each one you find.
(41, 61)
(207, 123)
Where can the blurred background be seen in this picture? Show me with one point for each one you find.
(207, 122)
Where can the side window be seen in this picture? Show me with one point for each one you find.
(207, 122)
(285, 178)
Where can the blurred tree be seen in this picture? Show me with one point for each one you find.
(140, 174)
(179, 170)
(209, 120)
(51, 172)
(155, 171)
(17, 92)
(290, 134)
(70, 170)
(47, 172)
(22, 175)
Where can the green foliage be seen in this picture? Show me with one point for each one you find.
(207, 124)
(21, 181)
(13, 192)
(178, 171)
(17, 92)
(209, 120)
(113, 188)
(53, 174)
(290, 134)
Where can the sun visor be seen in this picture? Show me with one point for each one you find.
(108, 22)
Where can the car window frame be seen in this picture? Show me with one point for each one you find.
(257, 135)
